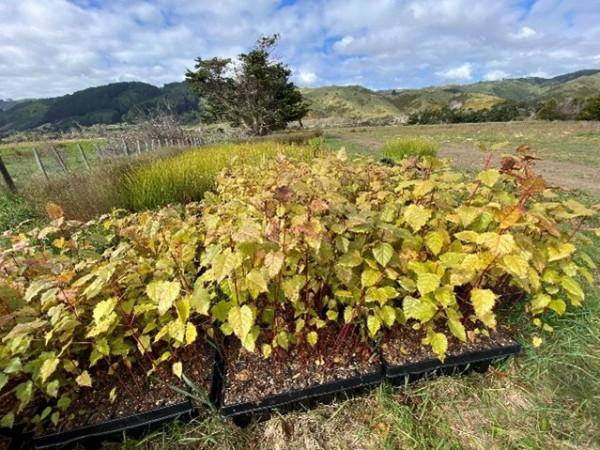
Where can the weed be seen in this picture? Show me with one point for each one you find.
(398, 149)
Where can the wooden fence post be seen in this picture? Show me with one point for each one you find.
(83, 158)
(125, 147)
(6, 176)
(98, 151)
(59, 159)
(138, 148)
(40, 164)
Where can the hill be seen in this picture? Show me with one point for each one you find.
(495, 100)
(113, 103)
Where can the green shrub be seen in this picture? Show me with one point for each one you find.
(398, 149)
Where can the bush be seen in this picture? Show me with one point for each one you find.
(398, 149)
(14, 210)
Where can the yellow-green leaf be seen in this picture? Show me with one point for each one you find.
(383, 253)
(388, 315)
(8, 420)
(190, 333)
(257, 282)
(84, 379)
(483, 301)
(573, 288)
(369, 277)
(24, 392)
(200, 300)
(350, 259)
(163, 293)
(241, 319)
(498, 244)
(536, 341)
(48, 368)
(416, 216)
(427, 282)
(434, 241)
(489, 177)
(558, 306)
(373, 325)
(456, 327)
(439, 344)
(421, 309)
(178, 369)
(516, 265)
(223, 264)
(312, 338)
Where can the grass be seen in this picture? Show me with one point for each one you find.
(398, 149)
(186, 177)
(576, 142)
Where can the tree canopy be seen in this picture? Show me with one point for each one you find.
(253, 92)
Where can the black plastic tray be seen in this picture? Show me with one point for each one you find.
(113, 428)
(478, 360)
(298, 396)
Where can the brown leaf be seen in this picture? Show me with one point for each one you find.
(243, 375)
(284, 193)
(54, 211)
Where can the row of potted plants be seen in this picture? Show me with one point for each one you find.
(300, 271)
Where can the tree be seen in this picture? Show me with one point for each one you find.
(591, 109)
(549, 111)
(254, 93)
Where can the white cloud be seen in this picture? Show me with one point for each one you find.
(54, 47)
(495, 75)
(307, 78)
(462, 72)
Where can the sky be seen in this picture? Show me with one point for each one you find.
(56, 47)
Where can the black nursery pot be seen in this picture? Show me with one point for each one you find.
(327, 383)
(460, 357)
(91, 436)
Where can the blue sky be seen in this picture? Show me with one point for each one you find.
(55, 47)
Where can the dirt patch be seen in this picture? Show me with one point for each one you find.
(565, 175)
(558, 174)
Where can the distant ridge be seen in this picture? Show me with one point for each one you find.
(119, 102)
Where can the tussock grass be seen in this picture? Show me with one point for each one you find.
(398, 149)
(186, 177)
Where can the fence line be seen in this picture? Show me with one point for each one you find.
(141, 146)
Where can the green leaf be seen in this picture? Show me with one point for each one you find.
(427, 282)
(483, 301)
(421, 309)
(445, 296)
(8, 420)
(373, 325)
(383, 253)
(177, 369)
(350, 259)
(241, 320)
(312, 338)
(416, 216)
(3, 380)
(24, 392)
(84, 379)
(370, 277)
(489, 177)
(163, 293)
(48, 368)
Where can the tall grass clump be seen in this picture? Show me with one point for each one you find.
(186, 177)
(398, 149)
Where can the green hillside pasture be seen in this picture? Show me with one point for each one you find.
(188, 176)
(347, 102)
(572, 142)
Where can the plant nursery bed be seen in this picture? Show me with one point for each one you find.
(155, 402)
(404, 356)
(254, 384)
